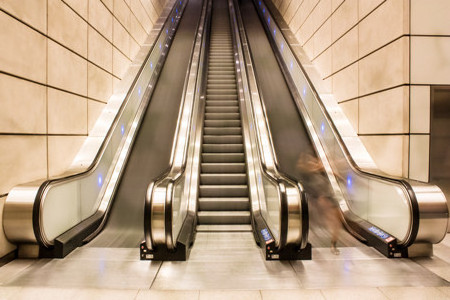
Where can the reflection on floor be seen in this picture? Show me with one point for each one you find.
(229, 266)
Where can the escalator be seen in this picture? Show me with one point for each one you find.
(223, 196)
(103, 206)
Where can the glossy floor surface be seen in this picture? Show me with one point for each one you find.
(229, 266)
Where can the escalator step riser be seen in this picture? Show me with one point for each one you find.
(222, 116)
(222, 148)
(224, 204)
(223, 167)
(222, 109)
(222, 130)
(216, 91)
(221, 97)
(222, 139)
(222, 123)
(223, 178)
(211, 102)
(220, 218)
(223, 191)
(223, 158)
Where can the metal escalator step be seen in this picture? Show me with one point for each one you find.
(222, 123)
(222, 130)
(221, 91)
(221, 178)
(223, 217)
(222, 139)
(222, 148)
(223, 168)
(222, 109)
(225, 228)
(222, 116)
(222, 77)
(221, 97)
(222, 103)
(223, 191)
(223, 157)
(227, 204)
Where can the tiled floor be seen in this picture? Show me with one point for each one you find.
(216, 270)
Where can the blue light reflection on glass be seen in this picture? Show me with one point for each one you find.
(268, 20)
(322, 127)
(160, 45)
(122, 129)
(167, 30)
(151, 65)
(176, 11)
(172, 19)
(304, 90)
(100, 180)
(274, 32)
(292, 64)
(264, 10)
(259, 3)
(349, 181)
(139, 91)
(282, 46)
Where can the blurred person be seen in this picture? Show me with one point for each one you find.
(318, 188)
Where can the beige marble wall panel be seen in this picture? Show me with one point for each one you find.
(128, 2)
(306, 31)
(23, 106)
(321, 13)
(109, 4)
(386, 68)
(419, 157)
(66, 27)
(61, 152)
(385, 112)
(67, 113)
(420, 109)
(99, 83)
(15, 55)
(302, 13)
(345, 83)
(121, 38)
(63, 67)
(34, 13)
(5, 246)
(137, 31)
(122, 13)
(140, 14)
(322, 38)
(323, 63)
(80, 6)
(345, 50)
(95, 108)
(367, 6)
(387, 152)
(23, 159)
(430, 17)
(99, 50)
(292, 9)
(344, 18)
(120, 63)
(156, 4)
(387, 23)
(284, 5)
(134, 48)
(335, 4)
(101, 18)
(350, 109)
(430, 60)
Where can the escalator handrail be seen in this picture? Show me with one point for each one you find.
(273, 172)
(175, 171)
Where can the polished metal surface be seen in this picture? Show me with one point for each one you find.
(168, 196)
(280, 192)
(362, 192)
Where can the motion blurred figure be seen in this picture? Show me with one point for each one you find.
(318, 188)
